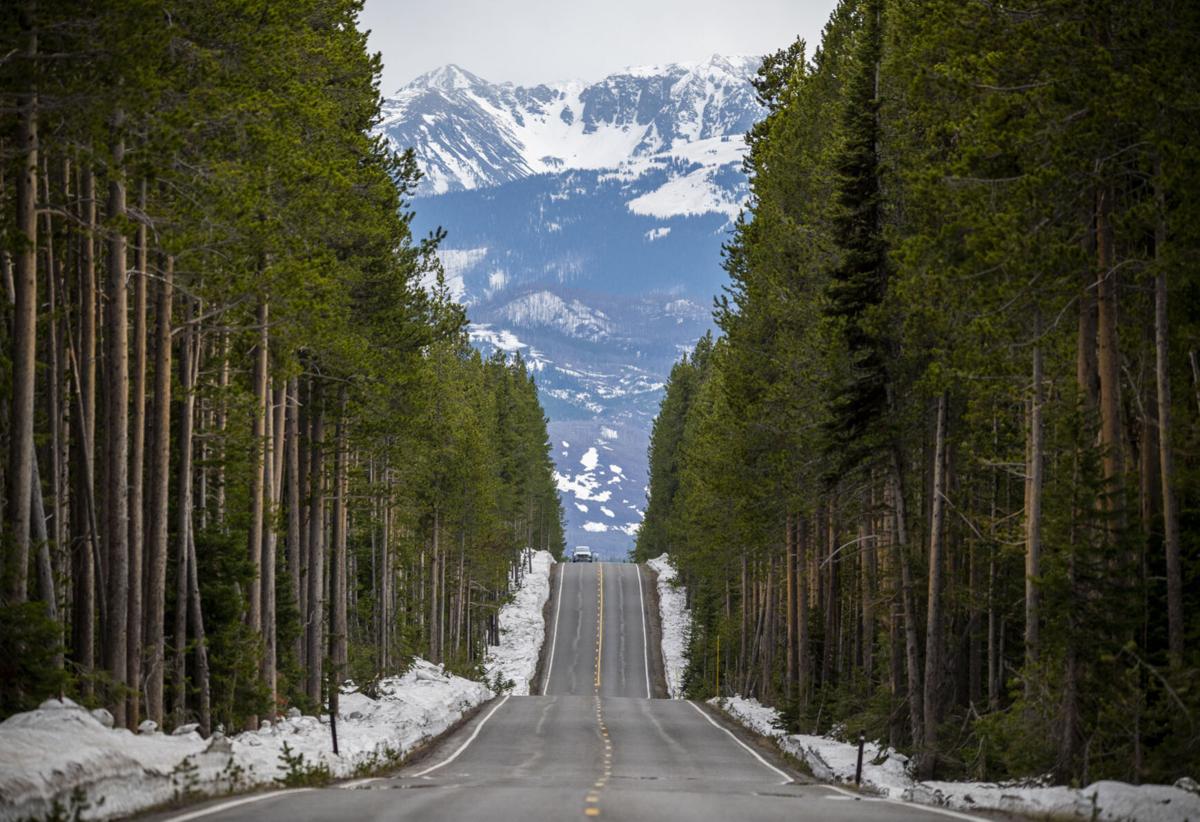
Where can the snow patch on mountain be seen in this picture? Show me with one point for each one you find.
(688, 195)
(503, 339)
(548, 310)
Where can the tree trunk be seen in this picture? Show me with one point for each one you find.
(867, 570)
(160, 477)
(58, 405)
(203, 685)
(904, 578)
(337, 561)
(117, 437)
(1033, 519)
(267, 587)
(137, 449)
(292, 446)
(803, 666)
(1166, 461)
(188, 354)
(435, 603)
(45, 567)
(316, 536)
(790, 595)
(257, 467)
(82, 524)
(222, 420)
(24, 365)
(1109, 364)
(933, 621)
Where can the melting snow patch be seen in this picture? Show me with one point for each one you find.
(522, 628)
(581, 507)
(595, 527)
(61, 752)
(676, 622)
(606, 512)
(590, 459)
(616, 469)
(885, 772)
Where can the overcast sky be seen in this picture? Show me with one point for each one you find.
(534, 41)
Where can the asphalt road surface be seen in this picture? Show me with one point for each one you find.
(592, 746)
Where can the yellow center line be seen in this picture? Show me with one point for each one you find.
(593, 797)
(600, 624)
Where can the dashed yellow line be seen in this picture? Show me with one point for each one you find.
(592, 799)
(599, 624)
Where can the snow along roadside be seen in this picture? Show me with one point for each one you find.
(522, 629)
(63, 756)
(676, 621)
(885, 773)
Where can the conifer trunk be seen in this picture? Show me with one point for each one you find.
(267, 584)
(1166, 462)
(24, 366)
(203, 682)
(117, 437)
(789, 571)
(1033, 520)
(904, 580)
(160, 474)
(83, 527)
(292, 446)
(803, 667)
(137, 455)
(933, 622)
(257, 468)
(187, 355)
(316, 545)
(337, 563)
(1108, 362)
(867, 570)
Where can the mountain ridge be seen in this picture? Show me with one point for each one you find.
(470, 133)
(585, 228)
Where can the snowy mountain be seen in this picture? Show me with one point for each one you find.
(469, 133)
(585, 227)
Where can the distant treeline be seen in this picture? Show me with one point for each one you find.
(939, 477)
(249, 455)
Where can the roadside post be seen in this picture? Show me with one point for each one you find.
(862, 739)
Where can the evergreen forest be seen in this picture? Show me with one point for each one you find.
(937, 478)
(250, 453)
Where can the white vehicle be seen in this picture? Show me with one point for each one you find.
(582, 554)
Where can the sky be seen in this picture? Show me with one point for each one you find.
(540, 41)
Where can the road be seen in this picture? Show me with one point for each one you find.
(591, 746)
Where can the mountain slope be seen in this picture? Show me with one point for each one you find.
(585, 228)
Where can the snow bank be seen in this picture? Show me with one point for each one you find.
(522, 629)
(676, 623)
(885, 772)
(61, 754)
